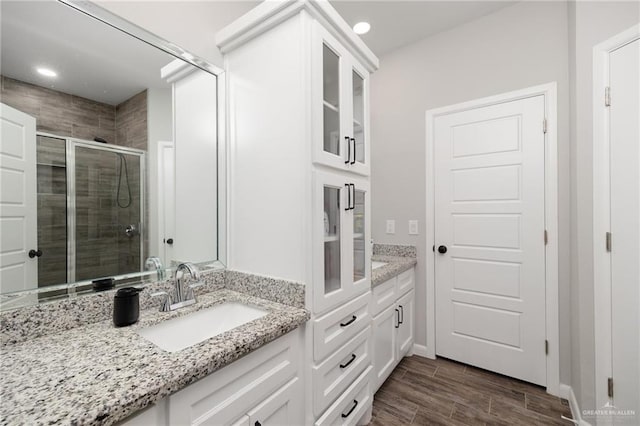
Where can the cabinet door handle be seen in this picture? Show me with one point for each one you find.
(397, 318)
(349, 197)
(401, 314)
(354, 150)
(348, 363)
(353, 318)
(355, 404)
(346, 138)
(353, 196)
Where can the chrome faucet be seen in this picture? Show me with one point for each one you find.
(155, 263)
(181, 296)
(185, 294)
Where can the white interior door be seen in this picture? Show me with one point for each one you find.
(18, 219)
(166, 201)
(489, 215)
(624, 134)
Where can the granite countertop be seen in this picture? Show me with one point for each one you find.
(100, 374)
(395, 266)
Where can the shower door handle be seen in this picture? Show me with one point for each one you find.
(35, 253)
(131, 231)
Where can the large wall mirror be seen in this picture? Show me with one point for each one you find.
(109, 158)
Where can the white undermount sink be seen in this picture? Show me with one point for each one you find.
(376, 264)
(179, 333)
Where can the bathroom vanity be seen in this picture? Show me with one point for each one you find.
(393, 313)
(100, 374)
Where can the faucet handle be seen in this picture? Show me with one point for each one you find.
(191, 293)
(165, 306)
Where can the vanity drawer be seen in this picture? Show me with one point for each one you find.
(384, 295)
(337, 327)
(406, 281)
(223, 397)
(338, 371)
(353, 403)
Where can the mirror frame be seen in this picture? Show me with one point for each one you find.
(74, 289)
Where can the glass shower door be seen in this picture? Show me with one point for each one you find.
(109, 213)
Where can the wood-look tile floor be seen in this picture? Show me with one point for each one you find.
(421, 391)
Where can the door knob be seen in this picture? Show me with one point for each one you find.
(35, 253)
(442, 249)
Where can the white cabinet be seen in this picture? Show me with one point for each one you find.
(385, 340)
(352, 404)
(393, 305)
(342, 265)
(406, 324)
(340, 103)
(281, 408)
(299, 205)
(262, 388)
(337, 372)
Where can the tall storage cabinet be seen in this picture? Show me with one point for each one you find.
(297, 97)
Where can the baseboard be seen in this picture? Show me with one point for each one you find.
(566, 392)
(421, 350)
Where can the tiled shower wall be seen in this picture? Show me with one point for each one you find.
(60, 113)
(131, 122)
(103, 248)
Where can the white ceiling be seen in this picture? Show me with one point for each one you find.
(98, 62)
(397, 23)
(92, 60)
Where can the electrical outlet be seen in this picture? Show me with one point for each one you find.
(391, 226)
(413, 227)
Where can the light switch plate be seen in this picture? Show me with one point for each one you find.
(413, 227)
(391, 226)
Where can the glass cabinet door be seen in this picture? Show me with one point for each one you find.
(340, 106)
(331, 100)
(359, 243)
(358, 117)
(332, 240)
(342, 253)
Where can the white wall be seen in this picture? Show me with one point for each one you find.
(517, 47)
(191, 25)
(592, 23)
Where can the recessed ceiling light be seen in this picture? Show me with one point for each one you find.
(47, 72)
(361, 28)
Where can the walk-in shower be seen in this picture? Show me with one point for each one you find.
(91, 209)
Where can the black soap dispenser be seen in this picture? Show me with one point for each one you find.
(126, 306)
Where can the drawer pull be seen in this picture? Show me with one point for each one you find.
(353, 358)
(344, 324)
(355, 404)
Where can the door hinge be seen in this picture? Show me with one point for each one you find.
(607, 96)
(546, 347)
(610, 387)
(546, 237)
(608, 241)
(544, 126)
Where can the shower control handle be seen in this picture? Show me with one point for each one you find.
(35, 253)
